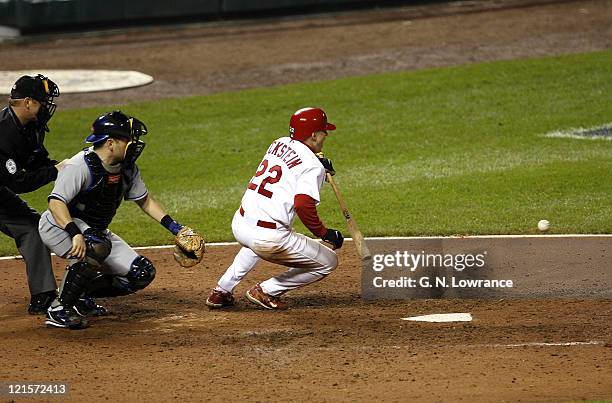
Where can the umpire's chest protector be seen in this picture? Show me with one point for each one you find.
(98, 204)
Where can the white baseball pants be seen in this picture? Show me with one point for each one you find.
(307, 259)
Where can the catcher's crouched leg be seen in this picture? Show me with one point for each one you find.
(140, 275)
(98, 247)
(76, 281)
(61, 313)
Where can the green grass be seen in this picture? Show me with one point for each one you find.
(433, 152)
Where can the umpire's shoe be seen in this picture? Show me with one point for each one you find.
(39, 303)
(86, 306)
(65, 317)
(219, 299)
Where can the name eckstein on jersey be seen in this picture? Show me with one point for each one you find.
(285, 153)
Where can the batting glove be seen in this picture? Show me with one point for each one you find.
(334, 238)
(327, 164)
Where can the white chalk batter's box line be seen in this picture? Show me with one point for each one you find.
(536, 344)
(390, 238)
(542, 344)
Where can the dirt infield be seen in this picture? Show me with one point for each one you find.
(163, 343)
(210, 58)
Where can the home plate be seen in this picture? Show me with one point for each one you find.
(442, 317)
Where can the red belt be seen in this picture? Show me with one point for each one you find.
(260, 223)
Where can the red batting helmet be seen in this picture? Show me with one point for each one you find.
(306, 121)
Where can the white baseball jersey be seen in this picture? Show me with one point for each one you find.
(288, 168)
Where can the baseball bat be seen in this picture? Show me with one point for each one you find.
(356, 234)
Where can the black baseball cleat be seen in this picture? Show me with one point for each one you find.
(65, 318)
(86, 306)
(39, 303)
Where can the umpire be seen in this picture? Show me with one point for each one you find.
(24, 167)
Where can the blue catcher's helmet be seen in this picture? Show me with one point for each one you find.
(117, 124)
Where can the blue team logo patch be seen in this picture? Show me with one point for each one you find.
(11, 167)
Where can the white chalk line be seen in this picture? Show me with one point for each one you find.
(388, 238)
(419, 347)
(513, 345)
(526, 344)
(391, 238)
(542, 344)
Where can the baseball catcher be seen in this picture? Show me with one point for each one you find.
(86, 196)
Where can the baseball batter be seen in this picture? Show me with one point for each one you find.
(82, 204)
(287, 182)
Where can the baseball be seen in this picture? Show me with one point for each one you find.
(543, 225)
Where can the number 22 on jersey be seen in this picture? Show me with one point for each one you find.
(275, 172)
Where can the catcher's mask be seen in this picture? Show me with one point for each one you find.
(41, 89)
(116, 124)
(306, 121)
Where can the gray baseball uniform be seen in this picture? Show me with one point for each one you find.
(73, 186)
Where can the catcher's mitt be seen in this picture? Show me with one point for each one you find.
(189, 247)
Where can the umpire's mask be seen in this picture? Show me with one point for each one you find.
(43, 90)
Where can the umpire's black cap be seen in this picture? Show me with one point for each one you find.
(38, 88)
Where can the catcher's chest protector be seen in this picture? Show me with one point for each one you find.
(98, 204)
